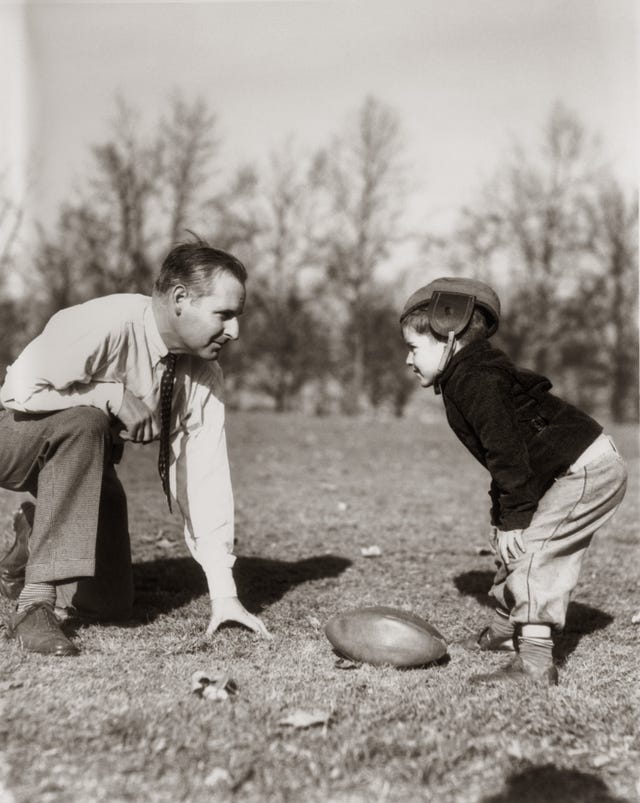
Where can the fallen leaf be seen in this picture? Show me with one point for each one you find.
(314, 621)
(7, 685)
(342, 506)
(346, 663)
(600, 761)
(216, 685)
(218, 776)
(370, 551)
(305, 719)
(635, 619)
(514, 750)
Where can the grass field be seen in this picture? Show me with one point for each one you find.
(119, 723)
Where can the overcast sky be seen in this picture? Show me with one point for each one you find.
(463, 75)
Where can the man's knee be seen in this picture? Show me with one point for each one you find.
(85, 423)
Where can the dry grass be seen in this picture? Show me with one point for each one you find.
(119, 722)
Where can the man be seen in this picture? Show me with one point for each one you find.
(122, 367)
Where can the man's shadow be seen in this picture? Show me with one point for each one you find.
(165, 584)
(581, 619)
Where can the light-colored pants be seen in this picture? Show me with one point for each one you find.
(535, 588)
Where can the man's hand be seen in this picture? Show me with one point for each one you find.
(510, 545)
(230, 609)
(139, 422)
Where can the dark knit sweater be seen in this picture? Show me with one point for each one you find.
(508, 420)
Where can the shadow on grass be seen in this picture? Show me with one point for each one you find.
(549, 784)
(581, 619)
(165, 584)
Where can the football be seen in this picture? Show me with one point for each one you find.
(381, 635)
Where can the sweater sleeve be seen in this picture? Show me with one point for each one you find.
(489, 408)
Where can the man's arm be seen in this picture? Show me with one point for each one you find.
(201, 483)
(57, 369)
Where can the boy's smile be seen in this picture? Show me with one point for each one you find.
(424, 355)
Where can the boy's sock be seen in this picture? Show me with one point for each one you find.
(500, 624)
(32, 593)
(535, 646)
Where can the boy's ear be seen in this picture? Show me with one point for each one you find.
(450, 312)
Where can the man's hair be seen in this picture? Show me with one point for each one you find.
(478, 327)
(196, 265)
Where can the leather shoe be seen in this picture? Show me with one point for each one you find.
(37, 629)
(488, 641)
(519, 672)
(13, 564)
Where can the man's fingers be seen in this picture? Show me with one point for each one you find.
(519, 541)
(258, 626)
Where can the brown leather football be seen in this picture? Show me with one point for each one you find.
(380, 635)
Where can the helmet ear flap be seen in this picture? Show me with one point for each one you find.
(450, 312)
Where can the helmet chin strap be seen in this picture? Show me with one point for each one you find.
(447, 353)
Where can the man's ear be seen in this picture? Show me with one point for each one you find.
(179, 296)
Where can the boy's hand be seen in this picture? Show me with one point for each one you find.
(510, 544)
(230, 609)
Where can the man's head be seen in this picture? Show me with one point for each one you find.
(198, 298)
(443, 316)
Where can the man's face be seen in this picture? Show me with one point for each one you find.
(424, 355)
(205, 323)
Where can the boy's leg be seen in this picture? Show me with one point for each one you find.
(538, 584)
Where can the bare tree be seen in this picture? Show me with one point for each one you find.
(613, 218)
(271, 219)
(362, 176)
(188, 146)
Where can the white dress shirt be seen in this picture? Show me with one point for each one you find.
(88, 355)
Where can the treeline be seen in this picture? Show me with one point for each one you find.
(553, 230)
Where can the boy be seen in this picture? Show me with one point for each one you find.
(555, 478)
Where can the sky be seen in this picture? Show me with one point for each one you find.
(464, 76)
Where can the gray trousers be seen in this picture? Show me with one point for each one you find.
(80, 539)
(535, 588)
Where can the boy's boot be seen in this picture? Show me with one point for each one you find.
(534, 661)
(498, 636)
(12, 566)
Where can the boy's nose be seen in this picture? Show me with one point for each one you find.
(409, 360)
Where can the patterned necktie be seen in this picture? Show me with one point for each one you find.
(166, 394)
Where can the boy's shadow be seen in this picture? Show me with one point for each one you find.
(581, 619)
(164, 584)
(550, 784)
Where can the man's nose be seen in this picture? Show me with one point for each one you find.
(232, 328)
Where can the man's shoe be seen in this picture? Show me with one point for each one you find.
(12, 566)
(488, 641)
(38, 630)
(519, 672)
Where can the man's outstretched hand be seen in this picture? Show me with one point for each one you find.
(230, 609)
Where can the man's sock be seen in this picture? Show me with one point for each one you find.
(535, 646)
(500, 624)
(32, 593)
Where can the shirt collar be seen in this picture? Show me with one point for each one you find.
(157, 347)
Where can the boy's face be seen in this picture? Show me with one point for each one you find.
(424, 355)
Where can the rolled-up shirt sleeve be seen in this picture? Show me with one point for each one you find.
(201, 481)
(57, 369)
